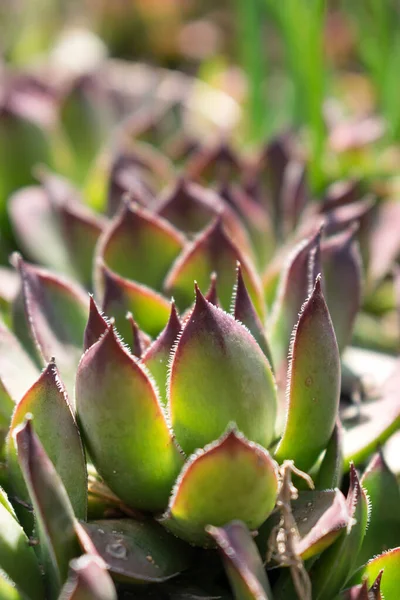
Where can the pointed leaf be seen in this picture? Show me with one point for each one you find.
(295, 285)
(230, 479)
(95, 327)
(88, 580)
(124, 425)
(389, 563)
(217, 163)
(383, 530)
(138, 551)
(342, 278)
(313, 386)
(55, 425)
(156, 357)
(333, 569)
(140, 246)
(17, 558)
(342, 217)
(212, 251)
(121, 296)
(242, 561)
(219, 366)
(245, 312)
(56, 313)
(53, 512)
(294, 194)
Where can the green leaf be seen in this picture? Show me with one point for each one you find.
(8, 590)
(17, 559)
(220, 367)
(313, 385)
(213, 251)
(54, 515)
(56, 313)
(46, 401)
(389, 562)
(124, 426)
(331, 467)
(88, 580)
(138, 551)
(383, 530)
(242, 561)
(140, 246)
(157, 355)
(149, 308)
(230, 479)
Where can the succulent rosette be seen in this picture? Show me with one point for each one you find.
(137, 426)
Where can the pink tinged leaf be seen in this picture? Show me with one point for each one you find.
(149, 308)
(342, 281)
(212, 251)
(242, 561)
(340, 193)
(156, 356)
(95, 327)
(88, 579)
(124, 425)
(384, 521)
(294, 194)
(244, 311)
(56, 524)
(295, 285)
(19, 565)
(36, 228)
(331, 468)
(377, 420)
(56, 313)
(55, 425)
(212, 292)
(384, 240)
(140, 246)
(357, 592)
(17, 371)
(218, 365)
(79, 227)
(382, 572)
(218, 163)
(342, 217)
(313, 385)
(136, 344)
(256, 220)
(229, 479)
(335, 566)
(138, 552)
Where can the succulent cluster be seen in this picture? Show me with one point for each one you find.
(139, 434)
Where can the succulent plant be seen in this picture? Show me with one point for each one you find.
(141, 433)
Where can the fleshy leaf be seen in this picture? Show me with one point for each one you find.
(313, 385)
(79, 227)
(121, 296)
(330, 470)
(376, 421)
(384, 521)
(138, 551)
(230, 479)
(17, 558)
(244, 311)
(88, 580)
(124, 426)
(54, 515)
(56, 313)
(140, 246)
(212, 251)
(55, 425)
(342, 280)
(294, 194)
(156, 357)
(389, 563)
(8, 589)
(242, 561)
(233, 381)
(95, 327)
(384, 240)
(334, 567)
(216, 163)
(295, 285)
(342, 217)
